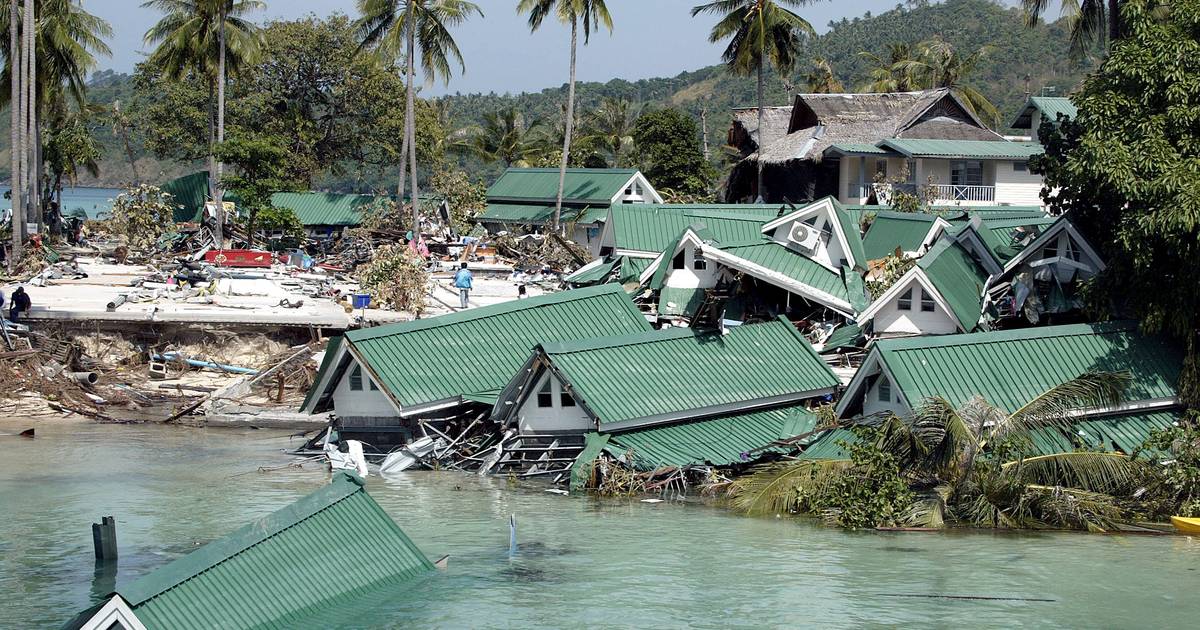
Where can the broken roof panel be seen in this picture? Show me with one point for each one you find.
(892, 230)
(270, 572)
(720, 441)
(784, 261)
(958, 278)
(592, 186)
(478, 350)
(670, 375)
(1007, 238)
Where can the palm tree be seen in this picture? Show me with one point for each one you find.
(973, 460)
(939, 65)
(17, 118)
(610, 127)
(1090, 21)
(590, 14)
(759, 31)
(208, 38)
(821, 80)
(892, 73)
(402, 27)
(506, 137)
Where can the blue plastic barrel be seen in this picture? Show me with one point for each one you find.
(362, 300)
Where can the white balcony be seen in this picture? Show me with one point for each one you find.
(951, 192)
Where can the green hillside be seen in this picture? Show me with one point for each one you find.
(1019, 59)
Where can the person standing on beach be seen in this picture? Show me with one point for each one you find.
(463, 282)
(20, 304)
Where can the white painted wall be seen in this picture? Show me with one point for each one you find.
(532, 419)
(872, 403)
(1016, 188)
(368, 402)
(829, 252)
(689, 277)
(639, 191)
(890, 320)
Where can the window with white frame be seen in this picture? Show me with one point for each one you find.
(356, 383)
(905, 301)
(927, 303)
(966, 173)
(545, 396)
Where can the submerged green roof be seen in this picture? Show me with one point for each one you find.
(674, 374)
(596, 186)
(478, 350)
(964, 149)
(652, 227)
(318, 208)
(1011, 368)
(718, 442)
(959, 280)
(323, 551)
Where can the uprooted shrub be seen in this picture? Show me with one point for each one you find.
(142, 214)
(396, 278)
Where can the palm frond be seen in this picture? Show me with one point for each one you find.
(1072, 508)
(1094, 472)
(1059, 405)
(776, 488)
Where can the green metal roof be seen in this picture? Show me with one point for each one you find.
(857, 148)
(535, 214)
(1050, 106)
(582, 185)
(825, 445)
(719, 442)
(998, 235)
(844, 338)
(1010, 368)
(632, 268)
(327, 364)
(959, 280)
(955, 213)
(324, 550)
(891, 230)
(963, 149)
(478, 350)
(680, 301)
(316, 208)
(596, 274)
(644, 378)
(652, 227)
(189, 194)
(783, 260)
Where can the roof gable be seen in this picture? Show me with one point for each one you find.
(1049, 106)
(485, 345)
(896, 230)
(1011, 368)
(593, 186)
(776, 264)
(677, 374)
(958, 279)
(843, 225)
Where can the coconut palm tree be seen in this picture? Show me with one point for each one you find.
(973, 462)
(939, 65)
(1091, 22)
(759, 32)
(590, 15)
(892, 72)
(385, 25)
(506, 137)
(821, 80)
(210, 39)
(17, 118)
(610, 128)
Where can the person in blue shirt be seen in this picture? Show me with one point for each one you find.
(462, 282)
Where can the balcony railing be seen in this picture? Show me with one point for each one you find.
(951, 192)
(940, 192)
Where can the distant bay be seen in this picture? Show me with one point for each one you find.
(96, 202)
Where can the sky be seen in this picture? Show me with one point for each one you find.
(651, 38)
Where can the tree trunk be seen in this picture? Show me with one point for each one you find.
(15, 136)
(1114, 21)
(32, 179)
(762, 136)
(137, 178)
(568, 127)
(410, 117)
(704, 131)
(218, 192)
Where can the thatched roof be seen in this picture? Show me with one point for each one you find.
(745, 125)
(817, 121)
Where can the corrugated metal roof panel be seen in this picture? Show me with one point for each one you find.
(651, 228)
(189, 193)
(269, 572)
(782, 260)
(1010, 368)
(958, 278)
(537, 214)
(718, 442)
(1050, 106)
(316, 208)
(640, 376)
(965, 149)
(479, 350)
(582, 185)
(999, 235)
(890, 230)
(680, 300)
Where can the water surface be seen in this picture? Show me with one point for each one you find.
(582, 561)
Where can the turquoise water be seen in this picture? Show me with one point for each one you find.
(96, 202)
(583, 562)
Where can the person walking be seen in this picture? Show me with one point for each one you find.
(20, 304)
(463, 282)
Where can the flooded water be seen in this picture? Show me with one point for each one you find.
(582, 561)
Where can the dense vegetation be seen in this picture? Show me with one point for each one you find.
(1014, 52)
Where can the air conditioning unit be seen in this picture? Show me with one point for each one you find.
(804, 237)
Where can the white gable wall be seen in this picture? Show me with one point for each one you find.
(533, 419)
(829, 251)
(876, 401)
(348, 403)
(689, 277)
(891, 321)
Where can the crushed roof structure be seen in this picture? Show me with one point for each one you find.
(954, 279)
(1010, 368)
(327, 550)
(485, 346)
(889, 231)
(189, 193)
(1049, 106)
(676, 375)
(528, 195)
(323, 208)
